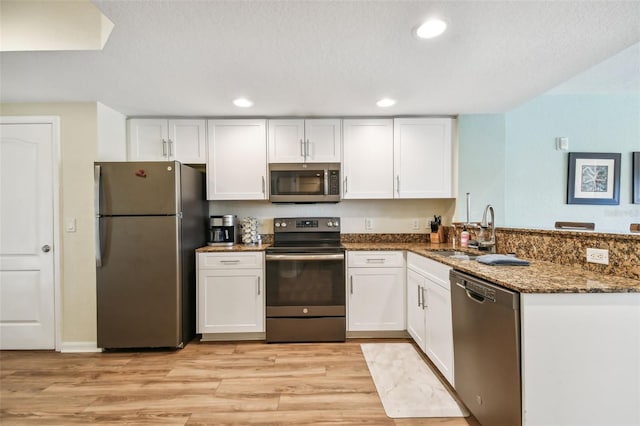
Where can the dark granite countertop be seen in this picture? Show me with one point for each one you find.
(538, 277)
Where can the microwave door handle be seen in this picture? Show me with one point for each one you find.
(326, 182)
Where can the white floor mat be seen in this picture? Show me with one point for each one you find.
(406, 385)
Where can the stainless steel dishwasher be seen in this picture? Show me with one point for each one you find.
(486, 346)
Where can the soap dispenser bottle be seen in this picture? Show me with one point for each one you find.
(464, 237)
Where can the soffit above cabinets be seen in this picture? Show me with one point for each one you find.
(32, 25)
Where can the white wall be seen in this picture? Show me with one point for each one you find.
(112, 134)
(388, 216)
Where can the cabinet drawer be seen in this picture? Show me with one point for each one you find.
(230, 260)
(434, 270)
(375, 259)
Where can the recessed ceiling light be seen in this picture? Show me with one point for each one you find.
(242, 103)
(386, 102)
(430, 29)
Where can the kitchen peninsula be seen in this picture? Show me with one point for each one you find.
(579, 334)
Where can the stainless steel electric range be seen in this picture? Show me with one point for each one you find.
(305, 281)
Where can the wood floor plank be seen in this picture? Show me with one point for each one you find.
(202, 384)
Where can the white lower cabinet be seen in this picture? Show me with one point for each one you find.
(375, 291)
(429, 311)
(230, 292)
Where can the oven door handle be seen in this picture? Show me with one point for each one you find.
(304, 256)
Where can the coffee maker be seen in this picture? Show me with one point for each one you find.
(223, 230)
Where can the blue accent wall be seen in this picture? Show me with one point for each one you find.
(533, 185)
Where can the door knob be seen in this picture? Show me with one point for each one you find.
(46, 248)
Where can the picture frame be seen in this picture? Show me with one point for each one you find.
(636, 178)
(594, 178)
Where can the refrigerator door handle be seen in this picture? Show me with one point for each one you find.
(96, 200)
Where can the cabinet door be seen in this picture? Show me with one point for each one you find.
(230, 300)
(415, 310)
(376, 299)
(237, 160)
(148, 140)
(439, 330)
(188, 141)
(368, 159)
(286, 141)
(423, 157)
(323, 139)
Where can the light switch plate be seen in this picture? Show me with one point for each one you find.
(70, 226)
(562, 144)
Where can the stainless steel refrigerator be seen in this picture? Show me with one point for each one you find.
(150, 218)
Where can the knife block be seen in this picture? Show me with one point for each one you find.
(437, 237)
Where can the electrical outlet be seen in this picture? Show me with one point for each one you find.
(415, 224)
(368, 224)
(598, 256)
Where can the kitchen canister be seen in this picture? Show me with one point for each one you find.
(250, 230)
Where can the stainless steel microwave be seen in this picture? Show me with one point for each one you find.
(304, 183)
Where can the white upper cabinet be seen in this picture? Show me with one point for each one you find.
(237, 160)
(167, 140)
(367, 159)
(423, 160)
(305, 141)
(188, 141)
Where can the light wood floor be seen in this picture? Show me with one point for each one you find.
(204, 383)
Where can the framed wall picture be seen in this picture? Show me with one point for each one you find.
(636, 178)
(594, 178)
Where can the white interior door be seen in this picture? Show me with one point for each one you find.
(27, 309)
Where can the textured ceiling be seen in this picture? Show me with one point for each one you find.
(192, 58)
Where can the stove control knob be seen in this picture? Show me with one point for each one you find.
(277, 224)
(336, 223)
(284, 224)
(329, 224)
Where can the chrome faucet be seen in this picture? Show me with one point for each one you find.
(491, 243)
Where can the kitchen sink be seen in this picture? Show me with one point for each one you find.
(458, 255)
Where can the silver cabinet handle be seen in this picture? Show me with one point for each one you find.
(419, 296)
(258, 286)
(424, 300)
(263, 185)
(170, 142)
(351, 284)
(97, 189)
(378, 261)
(302, 148)
(46, 248)
(164, 148)
(228, 262)
(346, 184)
(307, 150)
(398, 184)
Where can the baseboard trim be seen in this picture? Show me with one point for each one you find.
(78, 347)
(221, 337)
(383, 334)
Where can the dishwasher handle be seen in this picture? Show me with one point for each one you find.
(475, 296)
